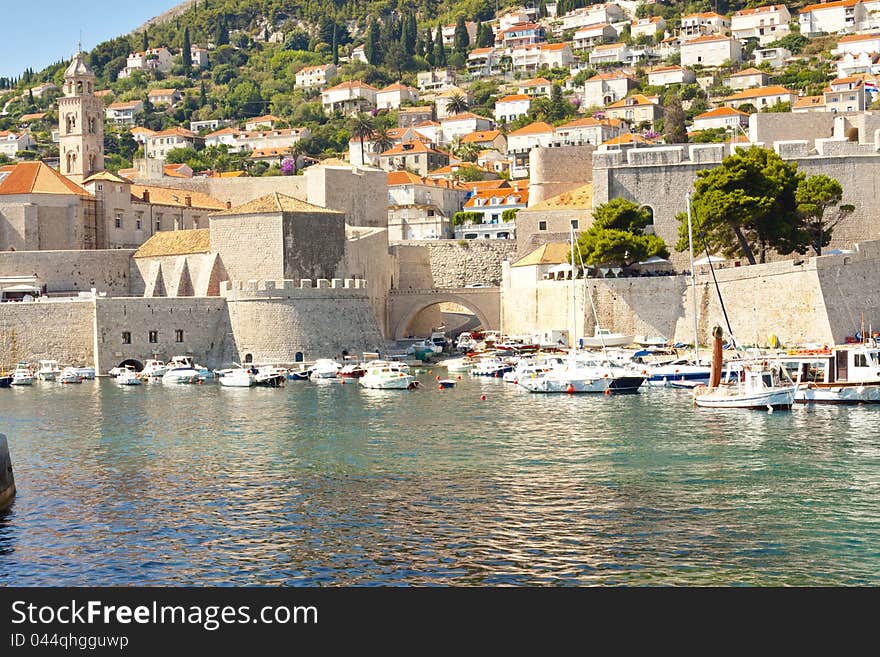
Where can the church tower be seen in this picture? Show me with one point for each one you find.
(80, 123)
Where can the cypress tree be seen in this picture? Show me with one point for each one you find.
(407, 36)
(461, 40)
(146, 41)
(429, 48)
(203, 95)
(335, 46)
(372, 49)
(187, 52)
(542, 10)
(439, 49)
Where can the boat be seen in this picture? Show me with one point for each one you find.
(424, 345)
(237, 378)
(325, 368)
(23, 375)
(5, 379)
(603, 337)
(153, 369)
(48, 370)
(270, 376)
(762, 384)
(460, 364)
(70, 375)
(584, 373)
(299, 375)
(651, 341)
(180, 374)
(85, 372)
(465, 342)
(845, 374)
(679, 370)
(127, 376)
(527, 367)
(446, 383)
(352, 371)
(491, 366)
(187, 361)
(388, 375)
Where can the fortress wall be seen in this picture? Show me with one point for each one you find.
(47, 330)
(70, 271)
(450, 263)
(553, 171)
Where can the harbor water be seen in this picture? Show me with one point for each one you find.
(338, 485)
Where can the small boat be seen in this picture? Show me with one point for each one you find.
(5, 380)
(388, 375)
(299, 375)
(153, 369)
(460, 364)
(48, 370)
(270, 376)
(85, 372)
(446, 383)
(128, 377)
(325, 368)
(424, 345)
(583, 373)
(682, 369)
(846, 374)
(237, 378)
(23, 375)
(70, 375)
(352, 371)
(491, 366)
(465, 342)
(187, 361)
(603, 337)
(651, 341)
(526, 368)
(181, 374)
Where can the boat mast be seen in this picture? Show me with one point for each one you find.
(573, 293)
(693, 280)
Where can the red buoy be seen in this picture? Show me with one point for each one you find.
(570, 389)
(482, 397)
(438, 377)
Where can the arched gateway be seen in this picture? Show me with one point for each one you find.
(405, 305)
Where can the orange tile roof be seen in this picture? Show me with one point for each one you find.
(139, 130)
(748, 71)
(858, 37)
(228, 130)
(536, 128)
(719, 112)
(125, 105)
(627, 138)
(639, 99)
(33, 117)
(830, 5)
(478, 185)
(513, 98)
(589, 122)
(516, 197)
(774, 90)
(408, 178)
(616, 75)
(463, 116)
(174, 171)
(759, 10)
(175, 197)
(177, 131)
(414, 147)
(37, 178)
(534, 82)
(610, 46)
(396, 87)
(706, 39)
(421, 109)
(480, 137)
(351, 84)
(103, 92)
(268, 152)
(267, 118)
(554, 46)
(705, 14)
(482, 51)
(808, 101)
(161, 92)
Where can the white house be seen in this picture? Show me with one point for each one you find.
(862, 63)
(199, 57)
(435, 79)
(448, 32)
(155, 59)
(457, 126)
(666, 75)
(636, 109)
(775, 57)
(281, 139)
(855, 44)
(766, 24)
(484, 61)
(535, 87)
(512, 107)
(169, 97)
(606, 88)
(349, 98)
(846, 95)
(647, 27)
(721, 117)
(588, 130)
(591, 35)
(393, 96)
(315, 76)
(610, 53)
(160, 143)
(11, 143)
(442, 100)
(703, 24)
(265, 122)
(491, 204)
(831, 17)
(227, 136)
(529, 58)
(124, 113)
(359, 54)
(521, 34)
(608, 12)
(747, 79)
(711, 50)
(761, 98)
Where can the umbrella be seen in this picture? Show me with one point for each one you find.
(837, 252)
(710, 260)
(563, 266)
(655, 260)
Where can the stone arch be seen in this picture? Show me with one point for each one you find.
(133, 362)
(652, 213)
(420, 303)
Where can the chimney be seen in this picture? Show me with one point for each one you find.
(188, 201)
(146, 196)
(228, 205)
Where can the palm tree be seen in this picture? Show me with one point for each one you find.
(468, 152)
(382, 141)
(362, 127)
(296, 149)
(456, 104)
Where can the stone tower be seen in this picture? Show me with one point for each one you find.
(80, 123)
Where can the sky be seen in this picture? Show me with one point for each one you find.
(49, 29)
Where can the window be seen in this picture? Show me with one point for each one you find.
(574, 223)
(154, 337)
(860, 361)
(100, 187)
(542, 225)
(158, 223)
(119, 220)
(178, 335)
(137, 224)
(126, 337)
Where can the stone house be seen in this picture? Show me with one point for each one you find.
(721, 117)
(124, 113)
(349, 98)
(766, 24)
(606, 88)
(413, 156)
(636, 109)
(762, 97)
(846, 95)
(160, 143)
(166, 97)
(510, 108)
(705, 23)
(648, 27)
(592, 35)
(747, 79)
(713, 50)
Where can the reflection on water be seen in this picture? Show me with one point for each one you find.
(334, 484)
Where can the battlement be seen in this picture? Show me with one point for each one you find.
(293, 288)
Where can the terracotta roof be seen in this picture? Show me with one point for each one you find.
(480, 137)
(478, 185)
(774, 90)
(830, 5)
(396, 87)
(809, 101)
(609, 46)
(275, 202)
(705, 14)
(665, 69)
(519, 196)
(551, 253)
(616, 75)
(175, 242)
(463, 116)
(267, 118)
(588, 122)
(421, 109)
(174, 171)
(33, 117)
(177, 131)
(481, 51)
(513, 98)
(103, 92)
(848, 80)
(759, 10)
(125, 105)
(408, 178)
(849, 38)
(451, 169)
(351, 84)
(554, 46)
(228, 130)
(138, 130)
(706, 39)
(534, 82)
(719, 112)
(415, 146)
(37, 178)
(175, 197)
(627, 138)
(536, 128)
(639, 99)
(748, 71)
(579, 198)
(268, 152)
(227, 174)
(161, 92)
(107, 177)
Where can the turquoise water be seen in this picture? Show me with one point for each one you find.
(332, 484)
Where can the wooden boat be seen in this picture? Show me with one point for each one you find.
(846, 374)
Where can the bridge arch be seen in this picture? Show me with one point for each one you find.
(406, 306)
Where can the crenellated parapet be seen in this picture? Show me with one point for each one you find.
(303, 288)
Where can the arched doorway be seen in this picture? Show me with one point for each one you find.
(450, 313)
(131, 362)
(248, 358)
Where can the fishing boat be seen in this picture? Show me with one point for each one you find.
(23, 375)
(584, 373)
(352, 371)
(388, 375)
(270, 376)
(846, 374)
(529, 366)
(69, 375)
(127, 376)
(762, 384)
(325, 368)
(85, 372)
(491, 366)
(237, 378)
(48, 370)
(603, 337)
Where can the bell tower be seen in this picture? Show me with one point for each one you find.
(80, 123)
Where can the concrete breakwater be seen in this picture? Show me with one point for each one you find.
(7, 481)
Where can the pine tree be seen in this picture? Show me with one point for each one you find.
(221, 38)
(439, 49)
(461, 40)
(186, 52)
(674, 121)
(372, 48)
(429, 48)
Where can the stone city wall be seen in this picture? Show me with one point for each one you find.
(449, 263)
(553, 171)
(71, 271)
(61, 330)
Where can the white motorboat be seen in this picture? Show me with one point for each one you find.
(465, 342)
(526, 367)
(583, 373)
(651, 341)
(181, 374)
(85, 372)
(48, 370)
(679, 370)
(603, 337)
(70, 375)
(388, 375)
(424, 345)
(237, 378)
(325, 368)
(459, 364)
(847, 374)
(187, 361)
(128, 377)
(490, 366)
(269, 375)
(23, 375)
(153, 369)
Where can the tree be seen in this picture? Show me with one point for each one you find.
(747, 204)
(429, 48)
(203, 95)
(145, 41)
(461, 38)
(542, 10)
(439, 49)
(468, 152)
(457, 104)
(382, 140)
(335, 46)
(362, 127)
(186, 53)
(221, 36)
(408, 33)
(372, 47)
(617, 236)
(815, 196)
(675, 131)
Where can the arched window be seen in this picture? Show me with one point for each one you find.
(248, 358)
(298, 357)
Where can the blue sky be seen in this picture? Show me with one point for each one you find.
(49, 29)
